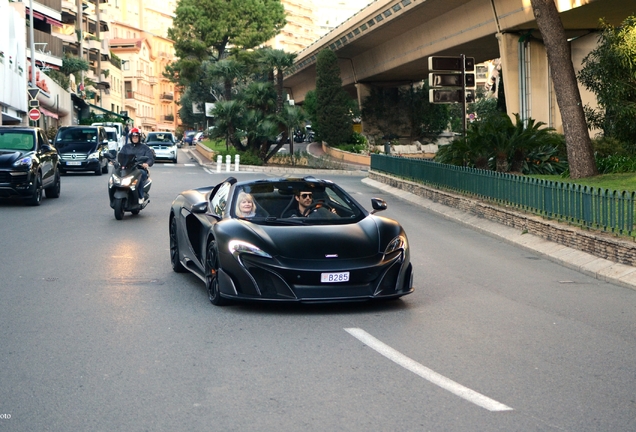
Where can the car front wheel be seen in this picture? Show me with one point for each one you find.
(36, 198)
(177, 267)
(211, 276)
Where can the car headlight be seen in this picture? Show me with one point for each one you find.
(94, 155)
(24, 162)
(238, 247)
(396, 244)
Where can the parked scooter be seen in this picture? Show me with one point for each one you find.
(123, 184)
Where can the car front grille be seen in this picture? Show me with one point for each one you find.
(73, 156)
(13, 178)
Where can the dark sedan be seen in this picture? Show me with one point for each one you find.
(29, 164)
(82, 148)
(330, 249)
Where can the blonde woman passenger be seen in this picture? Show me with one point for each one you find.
(245, 205)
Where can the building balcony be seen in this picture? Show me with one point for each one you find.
(168, 118)
(152, 80)
(46, 43)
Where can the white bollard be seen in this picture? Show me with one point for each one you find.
(219, 162)
(228, 162)
(237, 159)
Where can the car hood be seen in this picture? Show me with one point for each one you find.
(8, 157)
(78, 147)
(160, 144)
(347, 241)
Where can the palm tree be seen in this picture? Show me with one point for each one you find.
(228, 70)
(228, 116)
(279, 60)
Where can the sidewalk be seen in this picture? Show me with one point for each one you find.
(591, 265)
(599, 268)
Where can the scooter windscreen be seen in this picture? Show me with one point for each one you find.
(126, 160)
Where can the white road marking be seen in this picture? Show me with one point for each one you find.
(208, 171)
(426, 373)
(187, 164)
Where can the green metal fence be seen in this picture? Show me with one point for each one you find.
(594, 208)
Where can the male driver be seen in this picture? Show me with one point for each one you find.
(304, 200)
(140, 150)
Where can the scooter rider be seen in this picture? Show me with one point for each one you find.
(139, 149)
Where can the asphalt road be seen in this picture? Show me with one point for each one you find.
(97, 333)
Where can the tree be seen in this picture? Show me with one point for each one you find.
(280, 61)
(333, 117)
(228, 70)
(577, 138)
(609, 71)
(203, 30)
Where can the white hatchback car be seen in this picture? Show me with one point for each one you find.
(163, 144)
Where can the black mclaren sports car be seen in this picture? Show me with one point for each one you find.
(288, 239)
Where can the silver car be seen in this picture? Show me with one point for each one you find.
(163, 144)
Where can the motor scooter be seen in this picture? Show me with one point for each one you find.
(123, 184)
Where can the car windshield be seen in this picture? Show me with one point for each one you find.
(156, 137)
(16, 140)
(76, 134)
(295, 202)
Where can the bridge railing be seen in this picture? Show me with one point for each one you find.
(594, 208)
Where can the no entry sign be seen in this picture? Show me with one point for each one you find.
(34, 114)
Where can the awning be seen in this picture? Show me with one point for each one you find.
(48, 113)
(107, 111)
(10, 119)
(67, 38)
(45, 18)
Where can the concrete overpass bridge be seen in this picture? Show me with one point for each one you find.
(388, 44)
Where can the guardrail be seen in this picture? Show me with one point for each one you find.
(593, 208)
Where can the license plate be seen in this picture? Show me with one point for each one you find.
(73, 163)
(334, 277)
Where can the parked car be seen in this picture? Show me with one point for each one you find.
(198, 137)
(82, 148)
(187, 137)
(335, 251)
(121, 136)
(113, 141)
(164, 145)
(29, 163)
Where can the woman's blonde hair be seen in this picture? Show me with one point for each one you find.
(241, 197)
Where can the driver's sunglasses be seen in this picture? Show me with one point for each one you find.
(305, 195)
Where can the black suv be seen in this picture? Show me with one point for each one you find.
(82, 148)
(28, 164)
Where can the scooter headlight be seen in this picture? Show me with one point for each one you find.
(120, 181)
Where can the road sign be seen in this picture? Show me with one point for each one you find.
(34, 103)
(34, 114)
(33, 92)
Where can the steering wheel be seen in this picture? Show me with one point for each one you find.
(318, 205)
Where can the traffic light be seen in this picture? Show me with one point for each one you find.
(441, 96)
(451, 64)
(450, 80)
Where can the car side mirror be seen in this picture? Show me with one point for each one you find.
(378, 204)
(201, 207)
